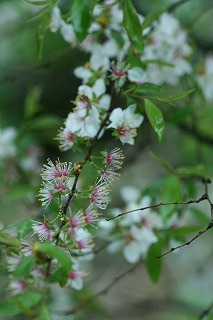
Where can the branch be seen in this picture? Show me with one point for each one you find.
(104, 291)
(188, 242)
(204, 197)
(78, 172)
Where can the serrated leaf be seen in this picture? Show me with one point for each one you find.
(81, 12)
(156, 119)
(9, 241)
(132, 25)
(153, 264)
(150, 18)
(24, 267)
(24, 228)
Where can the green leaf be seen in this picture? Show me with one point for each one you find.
(45, 122)
(39, 2)
(196, 171)
(24, 228)
(171, 192)
(41, 31)
(148, 88)
(156, 119)
(132, 25)
(59, 276)
(150, 18)
(174, 98)
(63, 260)
(29, 299)
(163, 162)
(9, 307)
(153, 264)
(9, 241)
(17, 304)
(183, 231)
(162, 63)
(180, 115)
(44, 314)
(32, 102)
(200, 216)
(81, 12)
(24, 267)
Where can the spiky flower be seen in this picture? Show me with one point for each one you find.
(114, 158)
(53, 171)
(42, 230)
(66, 138)
(90, 215)
(108, 174)
(77, 221)
(100, 197)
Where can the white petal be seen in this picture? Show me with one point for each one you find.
(55, 19)
(116, 117)
(99, 87)
(132, 252)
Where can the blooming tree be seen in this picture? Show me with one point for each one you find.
(129, 60)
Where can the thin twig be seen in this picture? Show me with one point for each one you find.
(78, 172)
(104, 291)
(204, 197)
(188, 242)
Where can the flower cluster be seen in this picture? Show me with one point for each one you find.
(100, 193)
(133, 233)
(57, 181)
(168, 51)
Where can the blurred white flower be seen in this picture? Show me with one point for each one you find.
(205, 78)
(7, 142)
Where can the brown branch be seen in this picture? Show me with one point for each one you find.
(188, 242)
(204, 197)
(89, 153)
(104, 291)
(78, 172)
